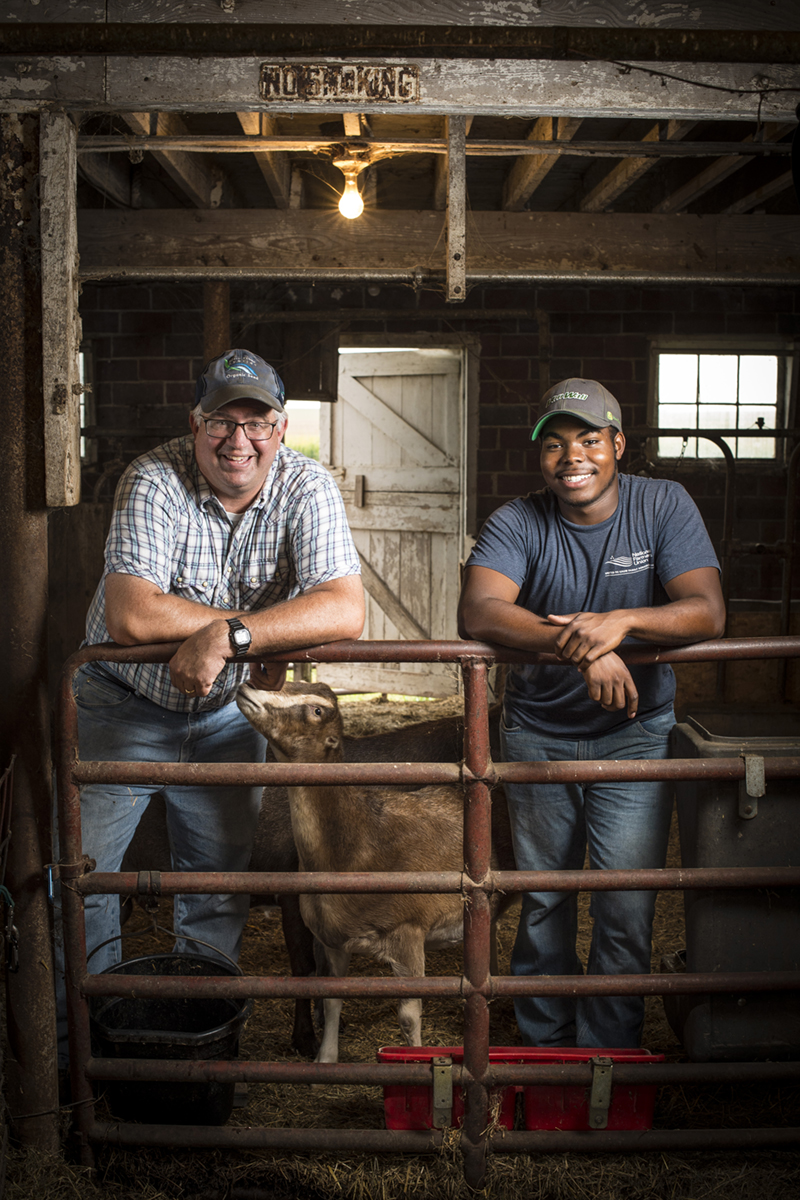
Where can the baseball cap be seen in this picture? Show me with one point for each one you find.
(238, 375)
(585, 399)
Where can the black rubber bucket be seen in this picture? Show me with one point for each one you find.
(189, 1029)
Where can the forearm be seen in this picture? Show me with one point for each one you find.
(160, 617)
(678, 623)
(496, 620)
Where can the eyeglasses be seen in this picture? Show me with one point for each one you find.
(255, 431)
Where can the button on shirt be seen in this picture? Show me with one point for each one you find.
(170, 528)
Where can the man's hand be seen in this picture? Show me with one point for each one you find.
(610, 683)
(587, 636)
(200, 659)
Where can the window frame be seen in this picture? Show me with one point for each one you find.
(783, 348)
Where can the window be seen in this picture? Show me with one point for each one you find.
(87, 406)
(718, 390)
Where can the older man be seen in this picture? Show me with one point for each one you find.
(232, 544)
(593, 561)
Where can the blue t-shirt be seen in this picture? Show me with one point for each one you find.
(655, 534)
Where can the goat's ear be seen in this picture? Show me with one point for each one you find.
(332, 742)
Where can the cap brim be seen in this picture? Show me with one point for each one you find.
(591, 420)
(228, 392)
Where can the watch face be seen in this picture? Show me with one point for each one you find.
(241, 637)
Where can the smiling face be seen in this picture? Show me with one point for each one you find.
(579, 465)
(235, 467)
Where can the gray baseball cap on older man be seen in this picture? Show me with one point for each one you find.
(585, 399)
(238, 375)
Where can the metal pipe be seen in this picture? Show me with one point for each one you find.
(251, 40)
(173, 987)
(498, 1074)
(477, 147)
(394, 1141)
(790, 525)
(256, 883)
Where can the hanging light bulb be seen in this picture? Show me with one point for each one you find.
(350, 203)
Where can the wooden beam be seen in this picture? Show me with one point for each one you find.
(527, 173)
(502, 87)
(717, 172)
(456, 221)
(626, 173)
(389, 603)
(202, 184)
(61, 330)
(760, 195)
(110, 177)
(440, 170)
(303, 243)
(275, 167)
(216, 318)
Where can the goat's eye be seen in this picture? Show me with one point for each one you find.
(317, 712)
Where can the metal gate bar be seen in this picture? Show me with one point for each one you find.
(477, 775)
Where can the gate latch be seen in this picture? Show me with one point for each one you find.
(600, 1095)
(442, 1092)
(752, 786)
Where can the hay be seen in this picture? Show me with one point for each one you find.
(366, 1025)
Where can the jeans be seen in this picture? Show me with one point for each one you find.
(209, 828)
(624, 825)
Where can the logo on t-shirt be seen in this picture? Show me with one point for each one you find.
(629, 564)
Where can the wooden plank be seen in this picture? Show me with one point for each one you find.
(276, 168)
(626, 173)
(431, 679)
(760, 195)
(275, 244)
(527, 173)
(699, 14)
(406, 625)
(403, 511)
(60, 322)
(717, 172)
(111, 178)
(391, 424)
(200, 182)
(503, 87)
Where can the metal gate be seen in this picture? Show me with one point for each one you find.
(476, 987)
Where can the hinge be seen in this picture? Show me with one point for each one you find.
(442, 1092)
(600, 1095)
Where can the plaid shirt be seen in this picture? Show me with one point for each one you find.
(170, 528)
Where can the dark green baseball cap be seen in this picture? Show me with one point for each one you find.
(585, 399)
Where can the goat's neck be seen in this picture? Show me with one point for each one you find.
(326, 819)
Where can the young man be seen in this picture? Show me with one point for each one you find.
(593, 561)
(232, 544)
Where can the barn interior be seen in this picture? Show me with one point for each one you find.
(548, 189)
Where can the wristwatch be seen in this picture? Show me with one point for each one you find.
(240, 637)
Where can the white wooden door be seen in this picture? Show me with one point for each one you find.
(395, 442)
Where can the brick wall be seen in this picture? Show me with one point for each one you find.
(147, 345)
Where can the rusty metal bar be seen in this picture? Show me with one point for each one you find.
(160, 1070)
(249, 40)
(173, 883)
(393, 1141)
(447, 986)
(418, 773)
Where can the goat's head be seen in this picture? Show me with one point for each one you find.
(301, 722)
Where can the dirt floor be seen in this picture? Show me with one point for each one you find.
(152, 1175)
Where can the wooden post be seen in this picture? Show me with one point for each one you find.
(216, 318)
(456, 208)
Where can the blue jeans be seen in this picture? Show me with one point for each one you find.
(210, 828)
(624, 825)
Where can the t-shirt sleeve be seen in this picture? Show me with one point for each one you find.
(321, 541)
(683, 541)
(505, 544)
(141, 538)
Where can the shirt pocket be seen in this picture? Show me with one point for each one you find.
(195, 583)
(263, 582)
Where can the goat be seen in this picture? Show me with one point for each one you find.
(372, 828)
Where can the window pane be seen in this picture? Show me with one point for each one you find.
(756, 447)
(758, 379)
(718, 379)
(670, 447)
(677, 378)
(750, 413)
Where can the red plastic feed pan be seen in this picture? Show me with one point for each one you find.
(556, 1107)
(547, 1106)
(410, 1106)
